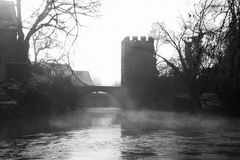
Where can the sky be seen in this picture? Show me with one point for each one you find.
(99, 44)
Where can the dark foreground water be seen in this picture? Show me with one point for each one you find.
(110, 134)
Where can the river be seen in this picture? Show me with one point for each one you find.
(112, 134)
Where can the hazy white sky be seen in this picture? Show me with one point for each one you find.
(99, 45)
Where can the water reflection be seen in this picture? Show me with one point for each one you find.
(110, 134)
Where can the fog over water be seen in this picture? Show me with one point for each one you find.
(113, 134)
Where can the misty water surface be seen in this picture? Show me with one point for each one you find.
(111, 134)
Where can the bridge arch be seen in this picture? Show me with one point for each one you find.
(99, 99)
(112, 95)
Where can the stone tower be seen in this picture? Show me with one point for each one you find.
(139, 73)
(8, 34)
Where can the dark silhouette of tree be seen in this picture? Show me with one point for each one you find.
(226, 79)
(231, 53)
(198, 45)
(52, 16)
(41, 42)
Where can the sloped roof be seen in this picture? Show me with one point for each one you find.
(84, 76)
(8, 18)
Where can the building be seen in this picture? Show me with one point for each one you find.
(139, 72)
(84, 76)
(78, 78)
(8, 30)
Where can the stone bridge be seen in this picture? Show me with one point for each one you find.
(117, 92)
(138, 73)
(113, 90)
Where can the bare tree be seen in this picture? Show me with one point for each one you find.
(231, 59)
(53, 16)
(196, 44)
(41, 42)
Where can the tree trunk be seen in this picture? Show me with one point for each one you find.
(196, 97)
(194, 93)
(22, 52)
(19, 69)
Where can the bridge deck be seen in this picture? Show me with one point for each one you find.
(101, 87)
(108, 89)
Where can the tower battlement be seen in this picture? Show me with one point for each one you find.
(138, 39)
(138, 42)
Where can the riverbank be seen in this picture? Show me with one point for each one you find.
(33, 99)
(20, 100)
